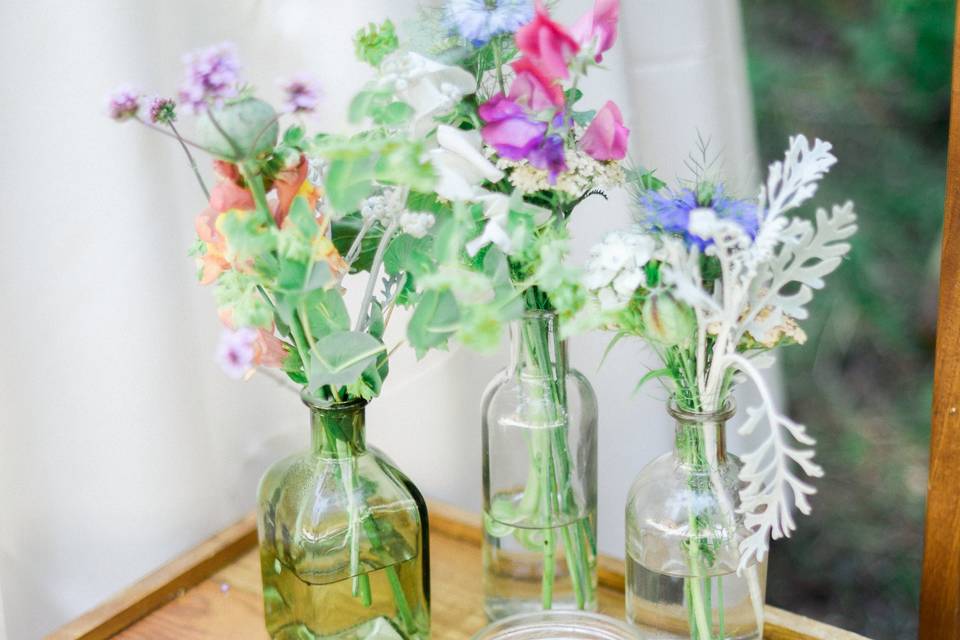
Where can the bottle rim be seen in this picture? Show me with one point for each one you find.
(724, 413)
(349, 405)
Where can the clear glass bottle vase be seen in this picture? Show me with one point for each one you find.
(683, 530)
(539, 478)
(343, 539)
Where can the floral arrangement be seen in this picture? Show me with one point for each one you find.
(713, 283)
(453, 197)
(514, 159)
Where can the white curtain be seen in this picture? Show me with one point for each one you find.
(121, 443)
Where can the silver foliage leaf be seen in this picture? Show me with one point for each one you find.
(772, 490)
(807, 254)
(792, 182)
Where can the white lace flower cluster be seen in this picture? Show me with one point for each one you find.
(616, 267)
(583, 173)
(387, 208)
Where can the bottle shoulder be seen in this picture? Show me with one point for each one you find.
(665, 483)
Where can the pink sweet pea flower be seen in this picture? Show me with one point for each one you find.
(599, 24)
(532, 89)
(606, 137)
(547, 44)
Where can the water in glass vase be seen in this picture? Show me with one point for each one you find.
(304, 607)
(534, 568)
(666, 606)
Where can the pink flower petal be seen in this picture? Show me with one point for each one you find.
(606, 137)
(547, 44)
(600, 23)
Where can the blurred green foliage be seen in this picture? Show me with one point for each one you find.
(873, 77)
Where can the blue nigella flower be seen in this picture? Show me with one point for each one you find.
(670, 211)
(480, 20)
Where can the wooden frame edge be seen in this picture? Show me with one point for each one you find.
(220, 550)
(940, 589)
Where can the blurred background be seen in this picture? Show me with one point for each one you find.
(873, 77)
(122, 444)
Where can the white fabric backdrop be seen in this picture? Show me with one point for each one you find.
(121, 442)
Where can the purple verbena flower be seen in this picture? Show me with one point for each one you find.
(477, 21)
(212, 75)
(302, 94)
(124, 103)
(163, 111)
(669, 211)
(550, 156)
(235, 352)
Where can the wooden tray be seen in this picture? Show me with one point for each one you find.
(213, 592)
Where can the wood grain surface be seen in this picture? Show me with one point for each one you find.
(206, 595)
(940, 594)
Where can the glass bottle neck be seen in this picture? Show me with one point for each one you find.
(536, 350)
(701, 439)
(338, 430)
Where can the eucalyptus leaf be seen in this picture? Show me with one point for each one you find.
(339, 358)
(394, 114)
(403, 163)
(349, 180)
(293, 136)
(366, 103)
(409, 254)
(345, 231)
(433, 322)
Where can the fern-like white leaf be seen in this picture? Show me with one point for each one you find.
(792, 182)
(807, 255)
(771, 488)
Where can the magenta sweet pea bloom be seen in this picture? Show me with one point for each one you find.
(508, 129)
(606, 137)
(548, 45)
(598, 25)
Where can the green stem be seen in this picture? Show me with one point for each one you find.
(549, 544)
(551, 457)
(255, 182)
(191, 160)
(693, 453)
(698, 602)
(399, 597)
(722, 631)
(691, 619)
(498, 62)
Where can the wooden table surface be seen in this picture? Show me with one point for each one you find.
(213, 592)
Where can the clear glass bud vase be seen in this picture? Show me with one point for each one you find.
(539, 478)
(683, 533)
(343, 539)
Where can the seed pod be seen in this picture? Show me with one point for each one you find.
(250, 124)
(668, 321)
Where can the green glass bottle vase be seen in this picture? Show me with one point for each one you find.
(343, 539)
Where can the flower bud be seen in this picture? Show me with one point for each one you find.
(667, 320)
(250, 124)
